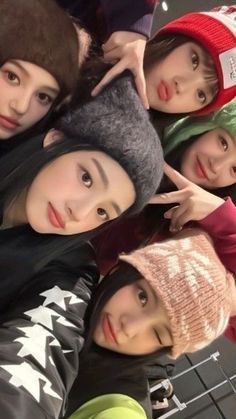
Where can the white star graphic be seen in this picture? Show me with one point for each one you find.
(44, 315)
(24, 375)
(34, 343)
(57, 296)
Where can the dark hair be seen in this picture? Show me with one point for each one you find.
(157, 50)
(17, 171)
(154, 214)
(123, 275)
(103, 371)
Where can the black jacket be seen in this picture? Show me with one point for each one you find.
(41, 336)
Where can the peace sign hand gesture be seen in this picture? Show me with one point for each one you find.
(194, 203)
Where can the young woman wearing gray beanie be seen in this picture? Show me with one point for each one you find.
(72, 180)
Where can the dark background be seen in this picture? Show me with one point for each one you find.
(178, 8)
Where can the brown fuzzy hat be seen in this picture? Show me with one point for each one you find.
(40, 32)
(197, 292)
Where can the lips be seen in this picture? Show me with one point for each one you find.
(8, 123)
(54, 217)
(164, 91)
(200, 170)
(108, 330)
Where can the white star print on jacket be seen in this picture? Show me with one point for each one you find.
(41, 337)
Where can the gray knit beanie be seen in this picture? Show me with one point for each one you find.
(40, 32)
(117, 123)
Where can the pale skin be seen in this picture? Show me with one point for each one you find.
(126, 51)
(194, 203)
(74, 193)
(27, 94)
(177, 83)
(134, 321)
(165, 86)
(210, 162)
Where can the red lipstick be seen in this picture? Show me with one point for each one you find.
(54, 217)
(108, 330)
(200, 170)
(9, 123)
(164, 91)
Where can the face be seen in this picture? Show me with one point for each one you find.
(133, 321)
(76, 193)
(210, 161)
(176, 84)
(27, 94)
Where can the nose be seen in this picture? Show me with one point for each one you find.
(20, 104)
(134, 325)
(80, 210)
(188, 83)
(219, 164)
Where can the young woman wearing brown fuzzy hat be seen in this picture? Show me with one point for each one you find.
(37, 71)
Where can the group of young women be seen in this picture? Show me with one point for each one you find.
(81, 159)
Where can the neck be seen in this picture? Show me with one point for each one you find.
(14, 214)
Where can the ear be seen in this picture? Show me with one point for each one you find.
(51, 136)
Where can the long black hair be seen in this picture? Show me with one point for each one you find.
(17, 171)
(154, 214)
(103, 371)
(158, 49)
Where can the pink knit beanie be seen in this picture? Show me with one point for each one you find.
(193, 285)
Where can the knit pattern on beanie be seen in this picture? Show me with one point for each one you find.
(40, 32)
(116, 123)
(215, 31)
(192, 284)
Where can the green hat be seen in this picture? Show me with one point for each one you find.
(186, 128)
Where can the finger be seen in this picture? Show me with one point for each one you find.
(115, 71)
(168, 214)
(179, 180)
(141, 87)
(169, 197)
(184, 218)
(114, 54)
(178, 215)
(109, 45)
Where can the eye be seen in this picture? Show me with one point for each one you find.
(195, 60)
(12, 77)
(158, 337)
(142, 296)
(45, 99)
(201, 96)
(87, 179)
(223, 143)
(103, 214)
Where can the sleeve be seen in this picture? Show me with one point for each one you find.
(123, 16)
(230, 332)
(40, 341)
(221, 226)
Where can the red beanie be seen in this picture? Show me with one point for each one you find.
(215, 31)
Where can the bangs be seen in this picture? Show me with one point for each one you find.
(210, 74)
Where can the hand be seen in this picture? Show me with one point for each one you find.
(126, 51)
(194, 202)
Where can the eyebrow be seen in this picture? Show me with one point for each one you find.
(105, 182)
(26, 73)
